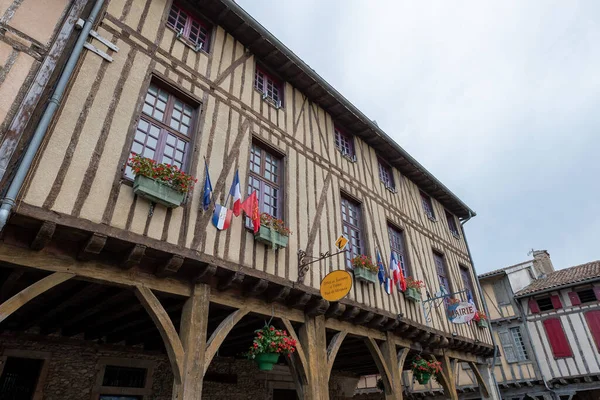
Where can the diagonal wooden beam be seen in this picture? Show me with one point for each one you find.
(483, 387)
(332, 350)
(384, 371)
(166, 329)
(219, 335)
(303, 361)
(24, 296)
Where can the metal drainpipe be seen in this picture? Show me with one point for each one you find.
(38, 136)
(537, 361)
(485, 307)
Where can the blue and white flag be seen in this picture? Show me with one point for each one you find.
(207, 190)
(381, 272)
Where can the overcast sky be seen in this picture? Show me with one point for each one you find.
(499, 100)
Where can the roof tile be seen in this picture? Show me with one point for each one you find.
(564, 277)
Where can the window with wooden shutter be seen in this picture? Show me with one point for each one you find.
(500, 292)
(586, 296)
(593, 321)
(533, 306)
(508, 348)
(556, 303)
(557, 338)
(574, 298)
(597, 291)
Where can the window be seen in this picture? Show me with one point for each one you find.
(545, 304)
(521, 351)
(270, 87)
(452, 224)
(386, 176)
(164, 130)
(593, 321)
(427, 205)
(19, 379)
(557, 338)
(351, 227)
(466, 278)
(442, 272)
(397, 246)
(188, 27)
(344, 143)
(124, 377)
(501, 292)
(513, 345)
(266, 178)
(586, 295)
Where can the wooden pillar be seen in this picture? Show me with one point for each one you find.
(485, 381)
(447, 378)
(390, 357)
(193, 332)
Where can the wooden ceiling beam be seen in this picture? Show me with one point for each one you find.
(43, 236)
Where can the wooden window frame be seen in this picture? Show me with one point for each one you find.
(268, 78)
(521, 345)
(45, 356)
(451, 221)
(427, 205)
(446, 271)
(566, 352)
(145, 392)
(190, 18)
(344, 143)
(347, 201)
(386, 175)
(164, 127)
(401, 252)
(263, 181)
(501, 292)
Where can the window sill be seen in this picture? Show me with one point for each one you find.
(456, 235)
(269, 101)
(431, 218)
(389, 188)
(187, 42)
(351, 158)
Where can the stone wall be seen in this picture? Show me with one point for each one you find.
(73, 368)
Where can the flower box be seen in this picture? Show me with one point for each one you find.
(270, 237)
(482, 323)
(365, 275)
(413, 294)
(157, 192)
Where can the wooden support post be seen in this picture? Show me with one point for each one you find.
(193, 331)
(18, 300)
(390, 357)
(383, 366)
(484, 387)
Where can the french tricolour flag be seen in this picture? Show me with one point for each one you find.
(222, 217)
(395, 269)
(237, 195)
(388, 285)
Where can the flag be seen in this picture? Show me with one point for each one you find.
(250, 207)
(402, 283)
(381, 272)
(394, 269)
(237, 195)
(388, 285)
(207, 189)
(222, 217)
(470, 301)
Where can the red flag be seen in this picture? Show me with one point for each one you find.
(250, 207)
(402, 281)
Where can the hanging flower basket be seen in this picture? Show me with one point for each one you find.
(269, 343)
(364, 269)
(272, 232)
(423, 369)
(413, 289)
(159, 183)
(481, 319)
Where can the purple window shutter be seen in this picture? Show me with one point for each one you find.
(556, 302)
(557, 338)
(574, 297)
(597, 292)
(533, 306)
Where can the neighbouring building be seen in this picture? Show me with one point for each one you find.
(113, 290)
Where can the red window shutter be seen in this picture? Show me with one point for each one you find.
(556, 302)
(597, 292)
(593, 320)
(557, 338)
(533, 306)
(574, 297)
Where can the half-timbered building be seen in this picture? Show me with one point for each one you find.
(562, 313)
(105, 294)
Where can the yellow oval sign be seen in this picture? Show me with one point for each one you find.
(336, 285)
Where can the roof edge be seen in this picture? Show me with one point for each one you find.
(232, 5)
(554, 288)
